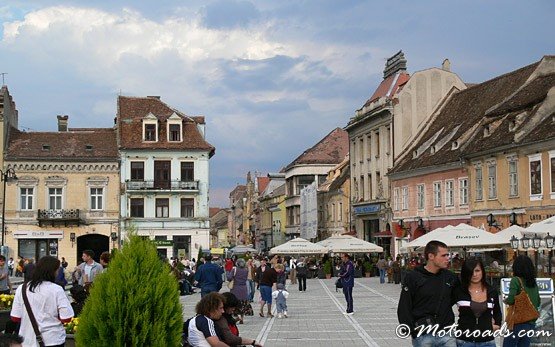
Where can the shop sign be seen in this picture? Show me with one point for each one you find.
(38, 234)
(366, 209)
(163, 243)
(545, 285)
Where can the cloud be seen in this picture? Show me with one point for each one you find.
(229, 14)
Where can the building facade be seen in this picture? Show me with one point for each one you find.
(271, 206)
(164, 175)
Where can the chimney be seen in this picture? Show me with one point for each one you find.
(446, 65)
(62, 122)
(396, 63)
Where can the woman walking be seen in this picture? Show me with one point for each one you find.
(48, 302)
(524, 278)
(239, 275)
(478, 304)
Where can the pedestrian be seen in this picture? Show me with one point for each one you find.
(228, 325)
(201, 329)
(382, 267)
(86, 272)
(209, 277)
(28, 269)
(426, 297)
(260, 271)
(105, 260)
(269, 278)
(238, 275)
(48, 303)
(250, 279)
(280, 296)
(11, 264)
(5, 284)
(19, 267)
(293, 270)
(396, 267)
(524, 277)
(389, 270)
(347, 275)
(478, 304)
(302, 271)
(61, 278)
(64, 263)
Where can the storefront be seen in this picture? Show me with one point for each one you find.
(367, 220)
(37, 244)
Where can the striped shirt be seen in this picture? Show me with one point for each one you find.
(200, 328)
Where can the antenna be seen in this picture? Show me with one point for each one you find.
(3, 75)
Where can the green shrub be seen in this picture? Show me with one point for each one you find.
(367, 266)
(134, 303)
(327, 267)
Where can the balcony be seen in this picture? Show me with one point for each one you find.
(57, 217)
(151, 185)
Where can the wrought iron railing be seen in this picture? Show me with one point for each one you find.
(162, 185)
(59, 216)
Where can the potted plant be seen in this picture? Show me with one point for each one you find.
(327, 268)
(134, 303)
(71, 329)
(6, 302)
(368, 267)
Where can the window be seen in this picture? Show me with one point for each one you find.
(340, 212)
(96, 198)
(552, 175)
(405, 198)
(150, 132)
(290, 216)
(370, 190)
(26, 198)
(332, 212)
(449, 193)
(303, 182)
(378, 150)
(55, 198)
(535, 175)
(362, 188)
(463, 191)
(187, 208)
(396, 199)
(162, 208)
(492, 181)
(187, 171)
(369, 147)
(175, 132)
(513, 178)
(361, 149)
(137, 171)
(420, 196)
(479, 190)
(437, 194)
(137, 208)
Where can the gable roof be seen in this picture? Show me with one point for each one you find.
(388, 87)
(75, 144)
(262, 183)
(457, 120)
(132, 111)
(330, 150)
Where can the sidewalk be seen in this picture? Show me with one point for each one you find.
(316, 316)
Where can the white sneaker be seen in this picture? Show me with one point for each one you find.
(285, 314)
(279, 315)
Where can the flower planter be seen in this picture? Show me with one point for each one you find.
(70, 340)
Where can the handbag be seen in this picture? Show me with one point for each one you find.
(522, 310)
(40, 341)
(338, 284)
(231, 283)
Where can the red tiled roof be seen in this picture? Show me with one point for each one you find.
(212, 211)
(262, 183)
(388, 86)
(76, 144)
(132, 110)
(330, 150)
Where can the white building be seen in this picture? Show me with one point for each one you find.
(164, 175)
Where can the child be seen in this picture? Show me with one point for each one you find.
(280, 296)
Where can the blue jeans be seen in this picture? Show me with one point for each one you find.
(348, 292)
(514, 340)
(251, 289)
(382, 275)
(463, 343)
(428, 340)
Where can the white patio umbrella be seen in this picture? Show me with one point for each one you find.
(298, 246)
(349, 244)
(241, 249)
(542, 228)
(463, 235)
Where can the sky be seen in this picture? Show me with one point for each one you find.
(272, 78)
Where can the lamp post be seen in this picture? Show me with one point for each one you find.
(536, 242)
(549, 244)
(8, 175)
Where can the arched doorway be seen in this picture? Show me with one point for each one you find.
(95, 242)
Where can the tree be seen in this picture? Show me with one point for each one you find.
(134, 303)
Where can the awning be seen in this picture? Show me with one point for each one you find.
(217, 251)
(385, 233)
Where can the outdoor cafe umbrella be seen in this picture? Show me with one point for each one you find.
(463, 235)
(298, 246)
(349, 244)
(241, 249)
(541, 228)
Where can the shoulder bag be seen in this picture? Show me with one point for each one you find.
(230, 283)
(34, 323)
(522, 310)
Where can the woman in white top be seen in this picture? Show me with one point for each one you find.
(49, 304)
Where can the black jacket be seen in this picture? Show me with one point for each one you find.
(420, 298)
(467, 320)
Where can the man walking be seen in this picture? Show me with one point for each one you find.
(5, 284)
(88, 269)
(209, 277)
(426, 298)
(382, 265)
(347, 275)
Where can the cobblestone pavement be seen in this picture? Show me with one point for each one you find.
(316, 316)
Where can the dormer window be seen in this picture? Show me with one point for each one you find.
(45, 147)
(174, 128)
(150, 128)
(486, 130)
(150, 132)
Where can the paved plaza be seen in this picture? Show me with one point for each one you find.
(316, 316)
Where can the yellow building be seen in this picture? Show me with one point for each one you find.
(65, 198)
(271, 211)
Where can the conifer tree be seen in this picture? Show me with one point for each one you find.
(134, 303)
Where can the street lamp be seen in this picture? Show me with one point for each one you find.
(8, 175)
(549, 244)
(525, 242)
(536, 242)
(514, 243)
